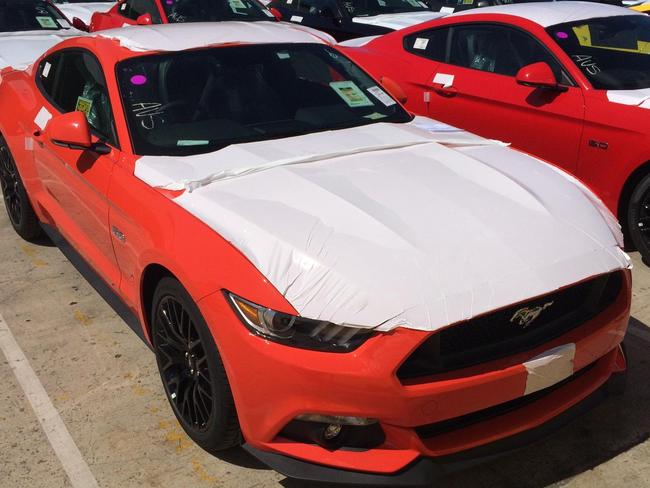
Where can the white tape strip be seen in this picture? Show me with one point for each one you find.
(549, 368)
(66, 450)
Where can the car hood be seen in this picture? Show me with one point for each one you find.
(398, 21)
(84, 11)
(20, 49)
(639, 98)
(415, 225)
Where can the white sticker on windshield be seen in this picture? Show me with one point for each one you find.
(381, 3)
(192, 142)
(268, 13)
(46, 70)
(414, 3)
(351, 94)
(420, 43)
(289, 2)
(296, 18)
(423, 5)
(123, 6)
(447, 10)
(47, 22)
(382, 96)
(375, 116)
(283, 55)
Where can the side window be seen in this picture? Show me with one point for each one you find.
(73, 81)
(432, 44)
(132, 9)
(498, 49)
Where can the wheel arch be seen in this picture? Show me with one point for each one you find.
(631, 182)
(152, 274)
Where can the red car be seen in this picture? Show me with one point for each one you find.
(565, 81)
(146, 12)
(314, 268)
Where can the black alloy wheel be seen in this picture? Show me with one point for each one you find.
(638, 218)
(191, 369)
(21, 214)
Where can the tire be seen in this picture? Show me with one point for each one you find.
(638, 218)
(19, 209)
(191, 369)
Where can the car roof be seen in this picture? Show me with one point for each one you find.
(547, 14)
(179, 37)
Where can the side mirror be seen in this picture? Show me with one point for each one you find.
(79, 24)
(538, 75)
(394, 89)
(276, 13)
(71, 130)
(144, 19)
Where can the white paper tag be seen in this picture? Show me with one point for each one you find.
(268, 13)
(46, 70)
(123, 6)
(447, 10)
(381, 95)
(29, 144)
(42, 118)
(444, 79)
(296, 18)
(549, 368)
(421, 43)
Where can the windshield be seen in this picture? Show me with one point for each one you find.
(364, 8)
(85, 1)
(17, 16)
(214, 10)
(198, 101)
(613, 52)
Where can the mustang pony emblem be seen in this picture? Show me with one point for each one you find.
(527, 315)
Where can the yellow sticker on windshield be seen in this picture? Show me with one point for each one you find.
(351, 94)
(47, 22)
(84, 106)
(583, 34)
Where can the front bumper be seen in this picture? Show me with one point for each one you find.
(273, 384)
(423, 471)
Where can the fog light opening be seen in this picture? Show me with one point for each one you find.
(332, 431)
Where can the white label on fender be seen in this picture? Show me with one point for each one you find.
(420, 43)
(444, 79)
(29, 144)
(42, 118)
(296, 18)
(549, 368)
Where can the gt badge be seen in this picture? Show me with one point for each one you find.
(527, 315)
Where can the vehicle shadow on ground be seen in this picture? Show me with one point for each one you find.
(615, 426)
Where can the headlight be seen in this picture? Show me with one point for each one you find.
(296, 331)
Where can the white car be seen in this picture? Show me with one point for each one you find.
(83, 10)
(28, 28)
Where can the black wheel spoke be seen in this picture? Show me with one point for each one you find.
(9, 184)
(183, 363)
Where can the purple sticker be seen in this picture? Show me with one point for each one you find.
(138, 80)
(561, 35)
(169, 2)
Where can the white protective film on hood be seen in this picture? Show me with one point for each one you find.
(638, 98)
(399, 225)
(398, 21)
(21, 49)
(180, 37)
(83, 11)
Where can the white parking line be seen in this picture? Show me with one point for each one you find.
(66, 450)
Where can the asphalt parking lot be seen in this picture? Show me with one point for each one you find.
(103, 385)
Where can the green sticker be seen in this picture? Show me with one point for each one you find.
(47, 22)
(374, 116)
(84, 106)
(190, 142)
(351, 94)
(237, 5)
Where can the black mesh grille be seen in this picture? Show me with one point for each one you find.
(457, 423)
(504, 332)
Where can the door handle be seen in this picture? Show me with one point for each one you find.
(444, 90)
